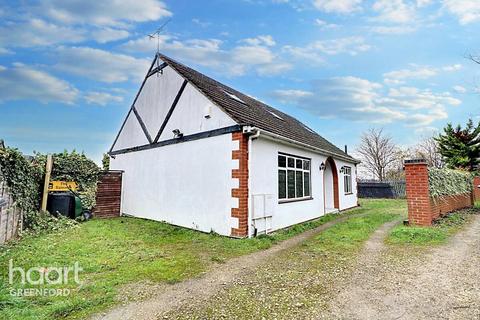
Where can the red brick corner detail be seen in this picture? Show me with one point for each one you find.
(242, 191)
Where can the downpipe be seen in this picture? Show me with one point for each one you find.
(253, 133)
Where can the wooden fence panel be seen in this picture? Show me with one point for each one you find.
(10, 216)
(381, 189)
(109, 195)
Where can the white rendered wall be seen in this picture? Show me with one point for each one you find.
(264, 180)
(131, 135)
(189, 115)
(347, 200)
(156, 98)
(187, 184)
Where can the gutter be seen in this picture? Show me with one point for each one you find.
(276, 137)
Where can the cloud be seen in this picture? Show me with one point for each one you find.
(459, 89)
(4, 51)
(338, 6)
(103, 13)
(101, 98)
(291, 95)
(21, 82)
(402, 29)
(453, 67)
(266, 40)
(466, 11)
(201, 23)
(316, 51)
(417, 72)
(251, 54)
(357, 99)
(105, 35)
(394, 11)
(145, 44)
(37, 32)
(325, 25)
(424, 3)
(100, 65)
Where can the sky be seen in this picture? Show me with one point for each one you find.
(69, 70)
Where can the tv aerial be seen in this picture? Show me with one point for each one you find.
(156, 35)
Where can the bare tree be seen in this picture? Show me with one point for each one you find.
(428, 150)
(395, 170)
(377, 152)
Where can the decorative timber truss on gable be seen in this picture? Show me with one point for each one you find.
(153, 108)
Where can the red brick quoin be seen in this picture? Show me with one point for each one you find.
(422, 208)
(242, 191)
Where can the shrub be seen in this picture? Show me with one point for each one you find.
(37, 222)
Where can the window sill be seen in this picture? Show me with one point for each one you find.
(294, 200)
(349, 193)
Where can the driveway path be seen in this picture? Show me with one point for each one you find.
(443, 283)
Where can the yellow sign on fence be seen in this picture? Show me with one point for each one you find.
(62, 186)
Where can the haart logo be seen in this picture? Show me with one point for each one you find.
(41, 276)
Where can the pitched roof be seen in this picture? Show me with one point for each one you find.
(246, 110)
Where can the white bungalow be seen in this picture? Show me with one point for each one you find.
(199, 154)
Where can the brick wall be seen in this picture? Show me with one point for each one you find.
(423, 209)
(476, 183)
(241, 212)
(109, 194)
(448, 204)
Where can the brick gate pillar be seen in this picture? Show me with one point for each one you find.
(420, 210)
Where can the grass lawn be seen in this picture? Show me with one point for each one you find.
(116, 252)
(435, 235)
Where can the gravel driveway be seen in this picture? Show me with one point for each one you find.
(389, 283)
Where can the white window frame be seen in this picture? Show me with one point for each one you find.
(306, 169)
(347, 180)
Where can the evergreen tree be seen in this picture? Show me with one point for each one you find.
(460, 147)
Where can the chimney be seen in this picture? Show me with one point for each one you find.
(346, 149)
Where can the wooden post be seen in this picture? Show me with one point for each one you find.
(48, 171)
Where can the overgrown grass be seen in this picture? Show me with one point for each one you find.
(434, 235)
(116, 252)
